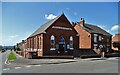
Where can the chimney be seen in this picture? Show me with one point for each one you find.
(82, 21)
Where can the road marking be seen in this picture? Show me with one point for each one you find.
(6, 69)
(37, 65)
(27, 66)
(17, 67)
(6, 61)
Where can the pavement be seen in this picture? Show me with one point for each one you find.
(24, 61)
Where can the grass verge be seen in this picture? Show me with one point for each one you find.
(12, 56)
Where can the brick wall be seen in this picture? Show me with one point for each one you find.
(62, 22)
(84, 37)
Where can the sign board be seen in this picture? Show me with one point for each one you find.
(63, 28)
(68, 46)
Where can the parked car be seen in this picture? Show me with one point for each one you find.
(3, 50)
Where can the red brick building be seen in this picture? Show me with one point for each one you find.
(91, 36)
(58, 37)
(116, 42)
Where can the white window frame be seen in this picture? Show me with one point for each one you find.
(95, 37)
(52, 48)
(52, 37)
(71, 39)
(100, 38)
(95, 46)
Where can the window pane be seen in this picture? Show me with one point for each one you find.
(100, 38)
(71, 38)
(71, 42)
(95, 39)
(52, 37)
(52, 40)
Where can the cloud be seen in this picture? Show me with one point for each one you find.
(10, 40)
(115, 28)
(108, 31)
(102, 26)
(14, 36)
(50, 16)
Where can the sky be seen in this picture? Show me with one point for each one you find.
(21, 19)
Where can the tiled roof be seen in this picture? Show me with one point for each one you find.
(94, 29)
(42, 28)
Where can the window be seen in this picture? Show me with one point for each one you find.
(95, 37)
(100, 38)
(68, 46)
(107, 40)
(34, 42)
(52, 40)
(62, 40)
(40, 42)
(71, 42)
(95, 46)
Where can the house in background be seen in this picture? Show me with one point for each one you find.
(116, 42)
(21, 47)
(91, 36)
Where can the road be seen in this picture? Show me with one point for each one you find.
(4, 58)
(82, 66)
(0, 62)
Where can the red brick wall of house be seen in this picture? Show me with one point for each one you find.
(62, 22)
(33, 42)
(115, 39)
(85, 37)
(40, 47)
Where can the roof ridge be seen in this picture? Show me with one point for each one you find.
(94, 29)
(45, 26)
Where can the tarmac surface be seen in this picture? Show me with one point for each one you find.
(91, 65)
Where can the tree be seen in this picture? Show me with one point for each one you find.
(17, 48)
(1, 47)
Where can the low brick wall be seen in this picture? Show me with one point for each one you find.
(80, 52)
(98, 56)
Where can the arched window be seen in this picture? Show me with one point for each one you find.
(71, 42)
(52, 39)
(62, 40)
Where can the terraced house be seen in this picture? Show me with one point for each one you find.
(116, 42)
(91, 37)
(59, 37)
